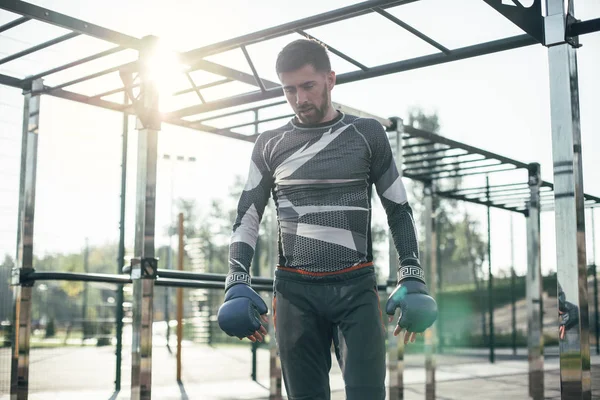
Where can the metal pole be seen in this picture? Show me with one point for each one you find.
(575, 376)
(21, 325)
(395, 346)
(84, 306)
(513, 295)
(255, 272)
(274, 361)
(121, 256)
(533, 282)
(490, 275)
(143, 271)
(431, 271)
(596, 322)
(596, 312)
(180, 254)
(438, 258)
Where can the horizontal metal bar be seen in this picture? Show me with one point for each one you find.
(209, 129)
(442, 157)
(84, 78)
(227, 72)
(182, 283)
(509, 168)
(420, 153)
(474, 201)
(441, 139)
(422, 144)
(114, 91)
(76, 63)
(399, 66)
(38, 47)
(424, 178)
(75, 276)
(245, 110)
(583, 27)
(334, 50)
(430, 167)
(186, 275)
(385, 122)
(204, 86)
(462, 53)
(11, 81)
(441, 171)
(412, 30)
(492, 188)
(314, 21)
(262, 121)
(109, 105)
(13, 24)
(70, 23)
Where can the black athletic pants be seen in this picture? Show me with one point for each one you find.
(311, 314)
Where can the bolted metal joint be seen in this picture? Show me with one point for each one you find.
(146, 268)
(19, 277)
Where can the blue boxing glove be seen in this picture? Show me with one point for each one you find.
(418, 310)
(240, 313)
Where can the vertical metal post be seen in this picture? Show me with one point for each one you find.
(395, 346)
(274, 361)
(84, 306)
(255, 272)
(490, 275)
(22, 293)
(121, 256)
(431, 272)
(575, 376)
(180, 255)
(438, 258)
(513, 294)
(596, 312)
(143, 271)
(533, 282)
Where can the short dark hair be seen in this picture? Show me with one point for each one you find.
(301, 52)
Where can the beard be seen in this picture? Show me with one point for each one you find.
(311, 114)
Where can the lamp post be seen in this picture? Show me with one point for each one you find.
(173, 160)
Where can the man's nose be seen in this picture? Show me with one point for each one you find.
(301, 97)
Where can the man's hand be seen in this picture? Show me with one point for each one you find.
(418, 310)
(241, 313)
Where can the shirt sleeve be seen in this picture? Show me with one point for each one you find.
(250, 208)
(392, 193)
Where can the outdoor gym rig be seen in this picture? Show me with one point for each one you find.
(558, 30)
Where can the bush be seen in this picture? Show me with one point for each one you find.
(51, 329)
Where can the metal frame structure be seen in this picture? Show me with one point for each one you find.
(418, 153)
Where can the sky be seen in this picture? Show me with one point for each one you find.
(498, 102)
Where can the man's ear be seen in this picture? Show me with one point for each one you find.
(331, 77)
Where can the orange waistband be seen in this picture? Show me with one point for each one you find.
(343, 271)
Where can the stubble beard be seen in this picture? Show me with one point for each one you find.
(317, 113)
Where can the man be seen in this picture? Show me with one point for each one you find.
(320, 168)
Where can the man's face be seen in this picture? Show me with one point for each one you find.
(308, 92)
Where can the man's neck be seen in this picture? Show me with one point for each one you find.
(332, 115)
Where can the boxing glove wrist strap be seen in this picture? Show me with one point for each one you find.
(237, 277)
(411, 271)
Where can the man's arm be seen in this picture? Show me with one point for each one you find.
(391, 191)
(419, 310)
(251, 206)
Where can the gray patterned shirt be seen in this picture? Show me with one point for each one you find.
(321, 179)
